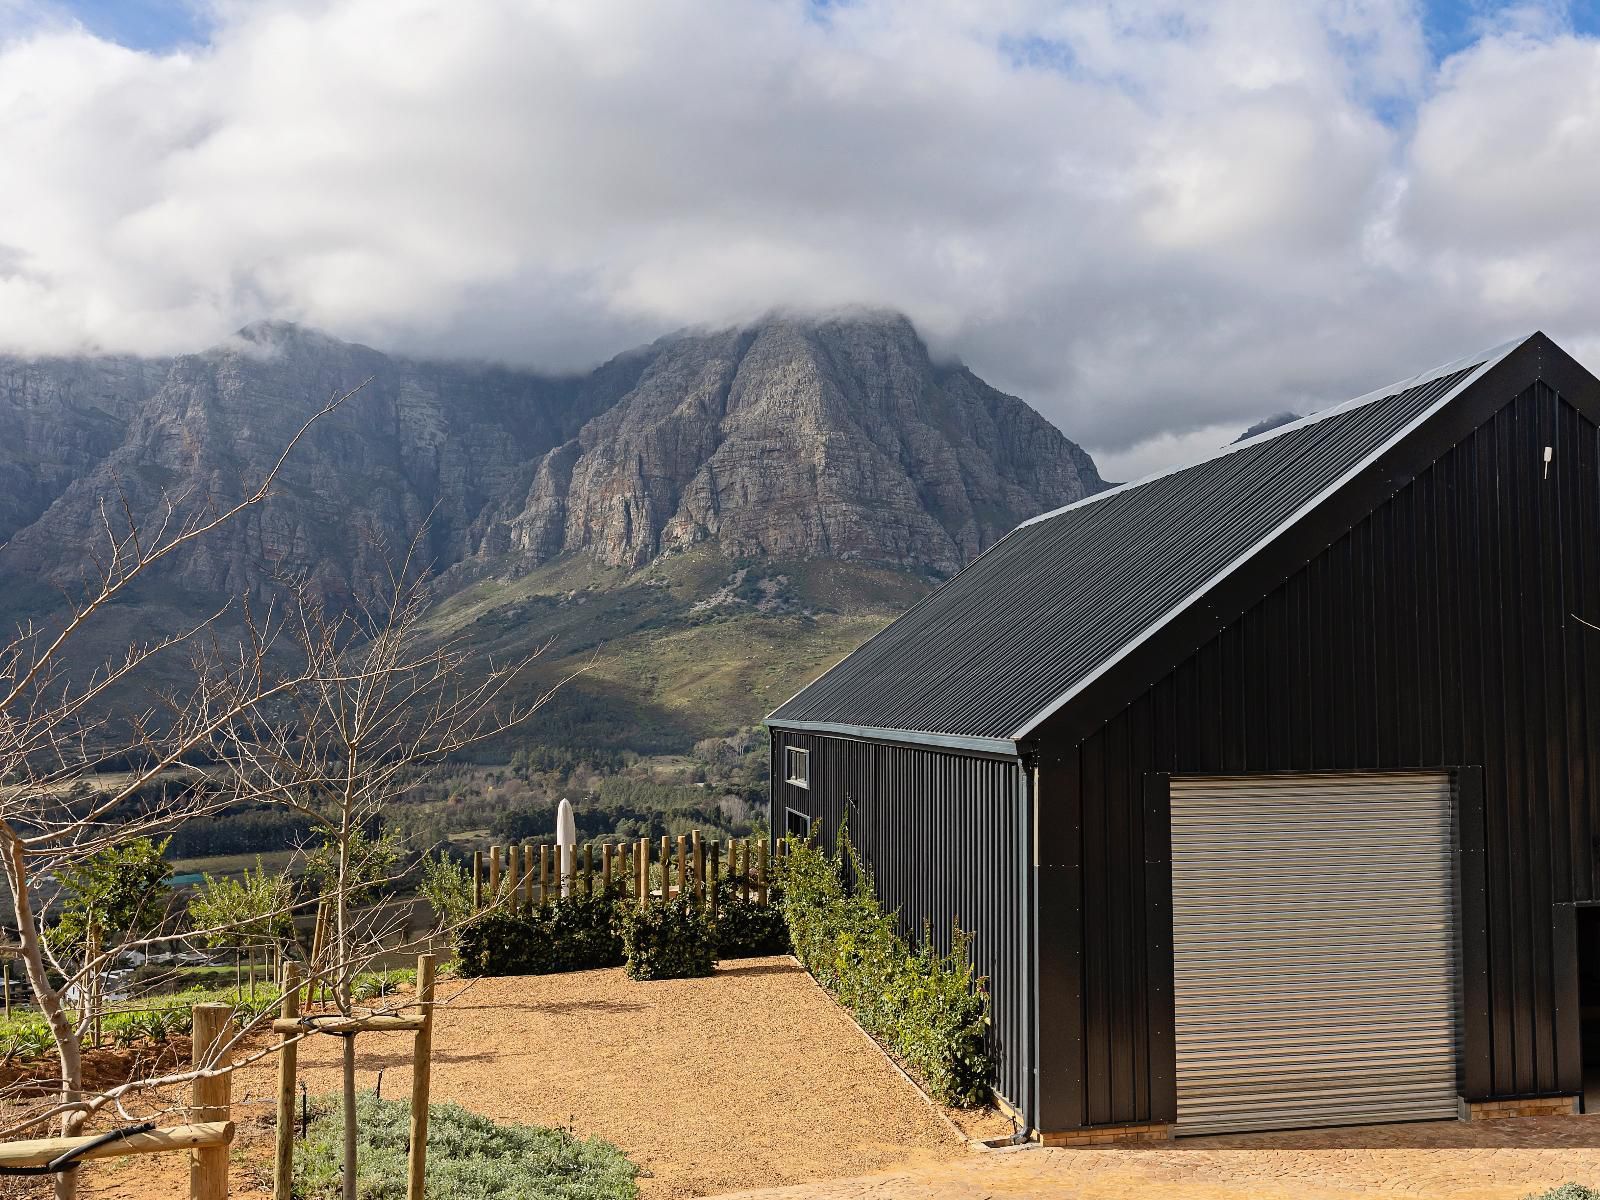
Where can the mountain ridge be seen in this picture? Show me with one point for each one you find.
(789, 438)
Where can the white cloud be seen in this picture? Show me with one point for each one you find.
(1145, 221)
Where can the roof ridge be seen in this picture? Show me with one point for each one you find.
(1494, 354)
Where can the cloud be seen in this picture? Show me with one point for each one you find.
(1154, 221)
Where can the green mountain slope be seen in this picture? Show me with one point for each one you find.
(690, 646)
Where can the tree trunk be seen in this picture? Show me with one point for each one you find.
(69, 1049)
(349, 1118)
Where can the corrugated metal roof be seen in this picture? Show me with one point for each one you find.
(1061, 598)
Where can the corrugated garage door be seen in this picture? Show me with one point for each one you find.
(1314, 949)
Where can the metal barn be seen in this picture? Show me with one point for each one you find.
(1269, 786)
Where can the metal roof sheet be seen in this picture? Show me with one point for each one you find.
(1052, 605)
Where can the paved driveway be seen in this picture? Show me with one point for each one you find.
(1489, 1160)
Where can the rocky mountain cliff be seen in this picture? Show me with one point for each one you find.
(790, 439)
(793, 440)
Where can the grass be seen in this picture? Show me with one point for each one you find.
(219, 866)
(665, 673)
(469, 1157)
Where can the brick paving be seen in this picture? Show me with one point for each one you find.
(1488, 1160)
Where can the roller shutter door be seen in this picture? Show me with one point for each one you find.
(1314, 950)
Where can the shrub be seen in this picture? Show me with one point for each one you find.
(575, 933)
(669, 939)
(1568, 1191)
(746, 929)
(930, 1008)
(447, 887)
(469, 1157)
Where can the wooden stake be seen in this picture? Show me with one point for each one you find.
(477, 880)
(529, 855)
(210, 1099)
(641, 864)
(666, 868)
(494, 875)
(699, 867)
(421, 1078)
(711, 881)
(283, 1168)
(544, 874)
(761, 873)
(605, 867)
(683, 865)
(744, 874)
(588, 868)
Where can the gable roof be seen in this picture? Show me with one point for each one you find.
(1056, 604)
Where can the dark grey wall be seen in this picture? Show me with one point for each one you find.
(1441, 631)
(946, 837)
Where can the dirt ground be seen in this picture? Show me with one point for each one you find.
(751, 1078)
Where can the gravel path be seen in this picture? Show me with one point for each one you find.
(749, 1078)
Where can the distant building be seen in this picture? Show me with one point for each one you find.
(1269, 786)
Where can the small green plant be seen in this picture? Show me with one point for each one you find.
(671, 939)
(25, 1036)
(930, 1008)
(1568, 1191)
(370, 985)
(575, 933)
(469, 1157)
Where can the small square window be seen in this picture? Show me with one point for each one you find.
(796, 824)
(797, 767)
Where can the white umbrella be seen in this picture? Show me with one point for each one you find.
(566, 845)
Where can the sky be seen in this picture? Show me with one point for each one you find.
(1157, 221)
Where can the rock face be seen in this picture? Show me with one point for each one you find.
(796, 439)
(789, 439)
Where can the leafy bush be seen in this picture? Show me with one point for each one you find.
(469, 1157)
(669, 939)
(1568, 1191)
(447, 887)
(575, 933)
(746, 929)
(930, 1008)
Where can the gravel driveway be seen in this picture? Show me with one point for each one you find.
(1490, 1160)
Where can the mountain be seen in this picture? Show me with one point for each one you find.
(779, 490)
(797, 440)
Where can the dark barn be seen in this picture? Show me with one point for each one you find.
(1268, 786)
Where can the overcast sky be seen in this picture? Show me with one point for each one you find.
(1156, 221)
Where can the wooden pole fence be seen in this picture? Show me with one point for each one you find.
(522, 876)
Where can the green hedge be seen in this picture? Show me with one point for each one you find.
(576, 933)
(672, 939)
(745, 929)
(931, 1009)
(469, 1157)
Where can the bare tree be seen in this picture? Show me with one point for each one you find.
(372, 707)
(57, 737)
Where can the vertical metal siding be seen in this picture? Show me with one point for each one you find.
(947, 838)
(1439, 632)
